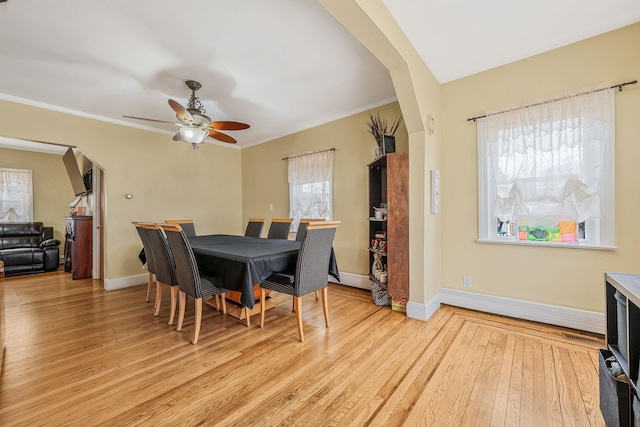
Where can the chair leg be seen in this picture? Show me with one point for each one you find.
(248, 317)
(183, 305)
(158, 297)
(196, 332)
(325, 305)
(262, 306)
(299, 317)
(223, 297)
(317, 295)
(174, 302)
(149, 287)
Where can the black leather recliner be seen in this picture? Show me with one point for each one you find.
(28, 247)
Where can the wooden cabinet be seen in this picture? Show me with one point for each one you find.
(619, 401)
(78, 248)
(389, 185)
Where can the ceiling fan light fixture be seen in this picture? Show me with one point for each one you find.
(193, 134)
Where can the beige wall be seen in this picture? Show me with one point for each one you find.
(565, 277)
(167, 179)
(50, 181)
(264, 179)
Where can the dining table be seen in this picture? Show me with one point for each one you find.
(238, 263)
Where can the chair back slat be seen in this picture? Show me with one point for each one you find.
(279, 228)
(188, 227)
(163, 260)
(313, 259)
(186, 266)
(254, 227)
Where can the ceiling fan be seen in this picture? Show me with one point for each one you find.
(194, 125)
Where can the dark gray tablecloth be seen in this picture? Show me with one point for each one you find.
(239, 262)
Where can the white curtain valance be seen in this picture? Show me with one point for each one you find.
(547, 158)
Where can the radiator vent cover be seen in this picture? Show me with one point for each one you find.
(588, 340)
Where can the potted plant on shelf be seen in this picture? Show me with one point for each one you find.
(385, 137)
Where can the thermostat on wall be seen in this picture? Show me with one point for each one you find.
(435, 191)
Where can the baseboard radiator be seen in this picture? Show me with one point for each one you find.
(583, 320)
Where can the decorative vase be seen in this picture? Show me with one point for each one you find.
(387, 143)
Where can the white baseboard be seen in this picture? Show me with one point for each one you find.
(354, 280)
(583, 320)
(125, 282)
(423, 311)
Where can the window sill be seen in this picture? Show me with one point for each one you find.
(549, 244)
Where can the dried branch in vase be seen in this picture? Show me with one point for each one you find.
(377, 127)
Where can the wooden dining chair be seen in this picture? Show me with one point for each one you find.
(187, 225)
(189, 279)
(148, 256)
(254, 227)
(310, 274)
(279, 228)
(165, 269)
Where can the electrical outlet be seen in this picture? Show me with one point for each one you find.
(466, 280)
(270, 206)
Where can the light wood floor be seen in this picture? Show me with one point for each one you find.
(78, 355)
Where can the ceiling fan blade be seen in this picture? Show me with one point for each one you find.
(224, 125)
(182, 112)
(153, 120)
(221, 137)
(177, 136)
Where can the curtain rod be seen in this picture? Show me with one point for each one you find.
(619, 86)
(307, 154)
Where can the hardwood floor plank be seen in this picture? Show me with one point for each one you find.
(80, 356)
(395, 406)
(512, 416)
(434, 396)
(459, 394)
(499, 404)
(573, 410)
(392, 373)
(554, 416)
(587, 378)
(483, 395)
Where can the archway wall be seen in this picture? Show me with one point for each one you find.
(419, 95)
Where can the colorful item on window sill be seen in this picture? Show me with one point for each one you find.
(564, 232)
(544, 234)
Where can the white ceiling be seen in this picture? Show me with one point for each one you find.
(457, 38)
(280, 65)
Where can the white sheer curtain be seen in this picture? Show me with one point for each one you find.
(16, 195)
(311, 186)
(548, 158)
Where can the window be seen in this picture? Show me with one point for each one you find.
(546, 172)
(311, 186)
(16, 195)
